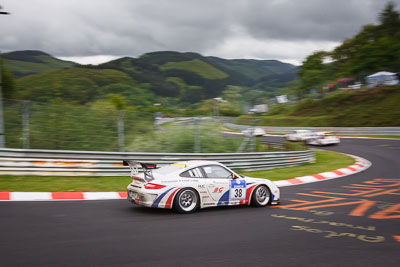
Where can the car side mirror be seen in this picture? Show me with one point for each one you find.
(233, 176)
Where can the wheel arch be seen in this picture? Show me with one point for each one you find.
(254, 191)
(183, 188)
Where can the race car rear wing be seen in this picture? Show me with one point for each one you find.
(147, 168)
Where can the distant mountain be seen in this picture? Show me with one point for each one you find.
(169, 71)
(22, 63)
(186, 77)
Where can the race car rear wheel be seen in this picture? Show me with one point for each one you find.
(186, 201)
(261, 196)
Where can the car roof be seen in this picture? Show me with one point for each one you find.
(196, 163)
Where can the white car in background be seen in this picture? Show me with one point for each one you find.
(188, 185)
(257, 131)
(299, 135)
(323, 138)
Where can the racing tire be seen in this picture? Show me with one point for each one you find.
(261, 196)
(186, 201)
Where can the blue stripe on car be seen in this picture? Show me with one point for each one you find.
(157, 201)
(224, 200)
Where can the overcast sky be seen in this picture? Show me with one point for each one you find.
(94, 31)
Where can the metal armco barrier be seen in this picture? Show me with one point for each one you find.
(384, 131)
(93, 163)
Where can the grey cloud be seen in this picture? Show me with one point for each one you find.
(134, 27)
(309, 19)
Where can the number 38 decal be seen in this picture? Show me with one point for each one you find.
(237, 190)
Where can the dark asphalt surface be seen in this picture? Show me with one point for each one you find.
(350, 221)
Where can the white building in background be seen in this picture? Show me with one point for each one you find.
(263, 108)
(382, 78)
(281, 99)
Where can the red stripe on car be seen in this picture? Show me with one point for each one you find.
(248, 193)
(169, 200)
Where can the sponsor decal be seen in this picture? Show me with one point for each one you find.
(218, 189)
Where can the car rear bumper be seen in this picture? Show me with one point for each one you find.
(140, 197)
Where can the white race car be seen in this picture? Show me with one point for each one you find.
(254, 131)
(323, 138)
(299, 135)
(188, 185)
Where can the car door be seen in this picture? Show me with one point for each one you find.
(217, 182)
(221, 186)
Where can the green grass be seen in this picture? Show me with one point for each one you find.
(10, 183)
(326, 161)
(358, 108)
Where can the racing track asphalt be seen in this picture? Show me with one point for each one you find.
(350, 221)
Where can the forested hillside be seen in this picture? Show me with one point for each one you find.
(22, 63)
(170, 78)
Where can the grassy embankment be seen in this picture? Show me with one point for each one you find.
(376, 107)
(325, 161)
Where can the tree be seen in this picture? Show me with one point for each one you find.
(118, 101)
(389, 20)
(7, 83)
(374, 48)
(312, 73)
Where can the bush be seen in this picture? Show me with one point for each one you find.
(181, 139)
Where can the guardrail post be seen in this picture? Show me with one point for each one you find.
(121, 141)
(2, 133)
(25, 124)
(196, 136)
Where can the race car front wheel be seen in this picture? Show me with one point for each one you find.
(186, 201)
(261, 196)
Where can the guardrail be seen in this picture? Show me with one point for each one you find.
(384, 131)
(92, 163)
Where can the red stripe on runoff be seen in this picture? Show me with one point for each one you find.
(338, 172)
(67, 195)
(397, 238)
(123, 194)
(294, 181)
(169, 200)
(351, 169)
(4, 195)
(319, 176)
